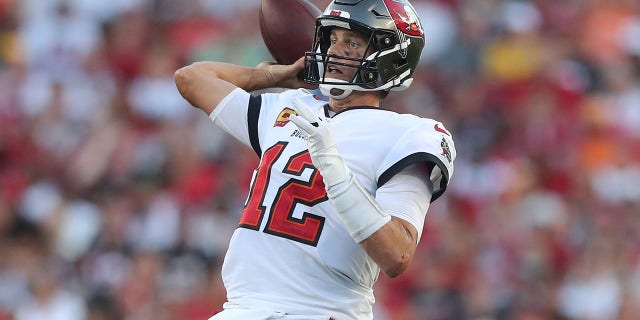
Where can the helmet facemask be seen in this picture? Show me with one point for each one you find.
(391, 55)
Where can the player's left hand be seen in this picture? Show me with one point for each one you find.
(321, 143)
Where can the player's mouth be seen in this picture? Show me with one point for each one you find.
(332, 69)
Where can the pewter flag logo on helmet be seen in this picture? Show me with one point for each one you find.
(405, 17)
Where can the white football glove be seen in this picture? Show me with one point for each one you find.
(321, 144)
(358, 210)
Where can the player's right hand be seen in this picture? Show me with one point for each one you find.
(286, 76)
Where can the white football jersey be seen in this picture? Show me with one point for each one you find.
(291, 252)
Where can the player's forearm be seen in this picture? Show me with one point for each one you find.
(205, 84)
(388, 240)
(392, 247)
(247, 78)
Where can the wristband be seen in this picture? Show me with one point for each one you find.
(358, 210)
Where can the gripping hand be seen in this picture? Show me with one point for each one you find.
(321, 144)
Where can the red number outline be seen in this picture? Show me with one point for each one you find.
(281, 221)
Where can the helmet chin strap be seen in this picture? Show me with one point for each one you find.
(340, 89)
(337, 92)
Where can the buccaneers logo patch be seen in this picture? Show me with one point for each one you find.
(405, 17)
(283, 117)
(446, 152)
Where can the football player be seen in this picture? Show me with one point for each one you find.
(343, 186)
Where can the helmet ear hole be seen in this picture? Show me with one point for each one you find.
(385, 41)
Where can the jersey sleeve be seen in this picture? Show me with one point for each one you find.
(407, 195)
(237, 114)
(250, 118)
(428, 142)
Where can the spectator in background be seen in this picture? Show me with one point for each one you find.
(549, 165)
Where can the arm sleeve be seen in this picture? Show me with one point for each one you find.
(407, 195)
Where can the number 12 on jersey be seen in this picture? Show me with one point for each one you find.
(281, 221)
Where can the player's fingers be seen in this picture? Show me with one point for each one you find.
(304, 111)
(301, 123)
(299, 62)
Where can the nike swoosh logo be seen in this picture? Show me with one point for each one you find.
(440, 129)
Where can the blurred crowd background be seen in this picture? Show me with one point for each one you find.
(117, 199)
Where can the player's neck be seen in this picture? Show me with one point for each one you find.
(355, 99)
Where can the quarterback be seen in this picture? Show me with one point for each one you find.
(343, 186)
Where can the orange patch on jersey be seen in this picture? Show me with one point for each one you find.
(283, 117)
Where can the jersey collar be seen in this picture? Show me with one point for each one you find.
(330, 114)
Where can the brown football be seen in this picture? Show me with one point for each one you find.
(287, 28)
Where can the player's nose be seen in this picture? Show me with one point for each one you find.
(338, 50)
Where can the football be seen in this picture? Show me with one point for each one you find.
(287, 28)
